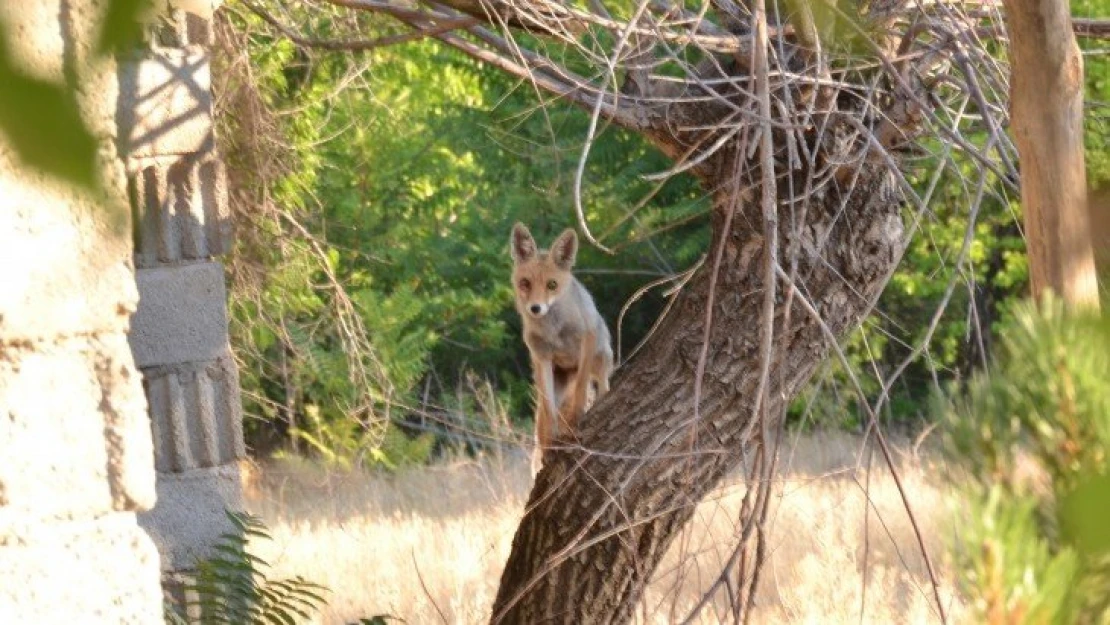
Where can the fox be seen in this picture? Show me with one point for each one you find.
(567, 339)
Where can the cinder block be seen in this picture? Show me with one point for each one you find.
(165, 104)
(218, 225)
(181, 208)
(199, 31)
(190, 516)
(102, 570)
(66, 258)
(37, 43)
(182, 315)
(170, 31)
(195, 414)
(189, 22)
(74, 438)
(203, 9)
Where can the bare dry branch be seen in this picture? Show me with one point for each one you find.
(358, 45)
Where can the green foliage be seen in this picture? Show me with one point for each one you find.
(122, 28)
(409, 185)
(1032, 439)
(232, 588)
(346, 443)
(409, 203)
(312, 370)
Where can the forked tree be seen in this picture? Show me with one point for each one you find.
(820, 130)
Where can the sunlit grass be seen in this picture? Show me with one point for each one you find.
(433, 540)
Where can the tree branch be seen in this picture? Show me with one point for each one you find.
(545, 18)
(1091, 29)
(537, 69)
(358, 45)
(582, 95)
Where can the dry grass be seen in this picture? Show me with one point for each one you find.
(433, 540)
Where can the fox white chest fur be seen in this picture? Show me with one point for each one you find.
(567, 339)
(557, 334)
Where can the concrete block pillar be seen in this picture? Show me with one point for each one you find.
(178, 194)
(75, 443)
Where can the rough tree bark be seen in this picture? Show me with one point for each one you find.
(602, 515)
(1047, 120)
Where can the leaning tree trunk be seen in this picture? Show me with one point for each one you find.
(602, 514)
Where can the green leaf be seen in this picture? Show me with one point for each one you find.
(123, 26)
(43, 124)
(1083, 514)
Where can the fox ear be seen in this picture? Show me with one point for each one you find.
(521, 244)
(564, 249)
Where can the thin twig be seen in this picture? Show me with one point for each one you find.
(358, 45)
(424, 587)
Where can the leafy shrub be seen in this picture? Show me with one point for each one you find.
(1031, 439)
(232, 588)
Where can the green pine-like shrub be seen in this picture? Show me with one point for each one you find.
(1029, 441)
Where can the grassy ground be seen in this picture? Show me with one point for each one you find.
(427, 545)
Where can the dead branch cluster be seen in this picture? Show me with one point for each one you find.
(260, 155)
(847, 82)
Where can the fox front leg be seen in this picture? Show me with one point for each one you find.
(577, 407)
(544, 420)
(547, 423)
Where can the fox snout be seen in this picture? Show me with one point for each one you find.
(538, 310)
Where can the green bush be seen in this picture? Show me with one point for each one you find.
(232, 588)
(1030, 441)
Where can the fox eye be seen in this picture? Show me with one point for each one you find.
(552, 285)
(525, 284)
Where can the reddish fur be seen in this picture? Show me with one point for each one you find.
(566, 336)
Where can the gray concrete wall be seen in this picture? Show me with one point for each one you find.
(120, 420)
(178, 192)
(75, 439)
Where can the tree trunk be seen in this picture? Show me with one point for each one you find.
(603, 514)
(1098, 205)
(1047, 118)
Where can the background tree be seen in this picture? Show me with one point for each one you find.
(1047, 104)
